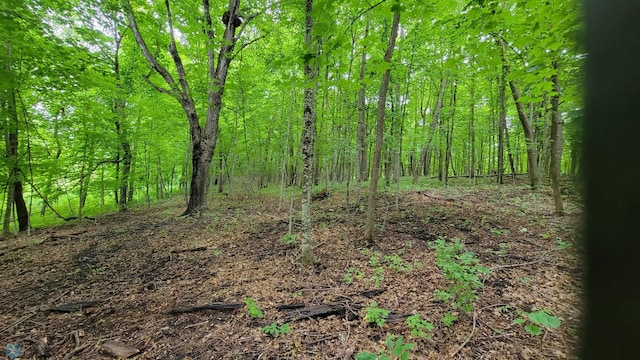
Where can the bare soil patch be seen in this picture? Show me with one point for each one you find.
(123, 276)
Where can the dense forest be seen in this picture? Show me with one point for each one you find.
(107, 103)
(278, 179)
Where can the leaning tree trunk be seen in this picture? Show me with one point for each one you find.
(556, 142)
(308, 137)
(529, 135)
(382, 102)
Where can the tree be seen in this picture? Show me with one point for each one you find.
(203, 139)
(382, 104)
(308, 132)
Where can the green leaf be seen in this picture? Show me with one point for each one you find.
(366, 356)
(533, 329)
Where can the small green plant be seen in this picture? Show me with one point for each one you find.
(502, 251)
(396, 263)
(217, 252)
(276, 330)
(374, 260)
(352, 273)
(396, 349)
(535, 321)
(461, 271)
(296, 294)
(253, 309)
(448, 319)
(376, 315)
(289, 239)
(419, 327)
(562, 245)
(378, 277)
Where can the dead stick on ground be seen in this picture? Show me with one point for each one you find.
(75, 351)
(499, 267)
(475, 314)
(24, 318)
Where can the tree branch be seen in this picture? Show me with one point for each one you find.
(177, 60)
(158, 88)
(147, 54)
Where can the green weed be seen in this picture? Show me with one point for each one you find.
(374, 314)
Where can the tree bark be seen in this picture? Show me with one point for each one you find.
(556, 142)
(308, 136)
(382, 102)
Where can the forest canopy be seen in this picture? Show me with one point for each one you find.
(107, 103)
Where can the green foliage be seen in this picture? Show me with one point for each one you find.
(562, 245)
(276, 330)
(253, 309)
(289, 239)
(418, 326)
(396, 349)
(374, 314)
(461, 271)
(448, 319)
(352, 273)
(377, 278)
(396, 263)
(535, 321)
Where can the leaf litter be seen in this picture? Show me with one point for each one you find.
(136, 273)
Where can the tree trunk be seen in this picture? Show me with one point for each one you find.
(472, 132)
(556, 142)
(361, 143)
(308, 136)
(203, 140)
(14, 184)
(424, 161)
(382, 102)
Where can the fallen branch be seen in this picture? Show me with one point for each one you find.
(24, 318)
(475, 314)
(219, 307)
(73, 307)
(201, 248)
(499, 267)
(75, 351)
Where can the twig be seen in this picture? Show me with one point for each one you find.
(75, 351)
(24, 318)
(499, 267)
(198, 324)
(475, 314)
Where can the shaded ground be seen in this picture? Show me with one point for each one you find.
(128, 267)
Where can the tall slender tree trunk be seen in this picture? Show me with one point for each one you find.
(556, 142)
(308, 135)
(449, 143)
(472, 132)
(382, 102)
(525, 120)
(362, 170)
(424, 160)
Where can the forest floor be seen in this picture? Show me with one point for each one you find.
(123, 281)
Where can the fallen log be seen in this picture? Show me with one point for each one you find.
(216, 306)
(201, 248)
(315, 311)
(73, 307)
